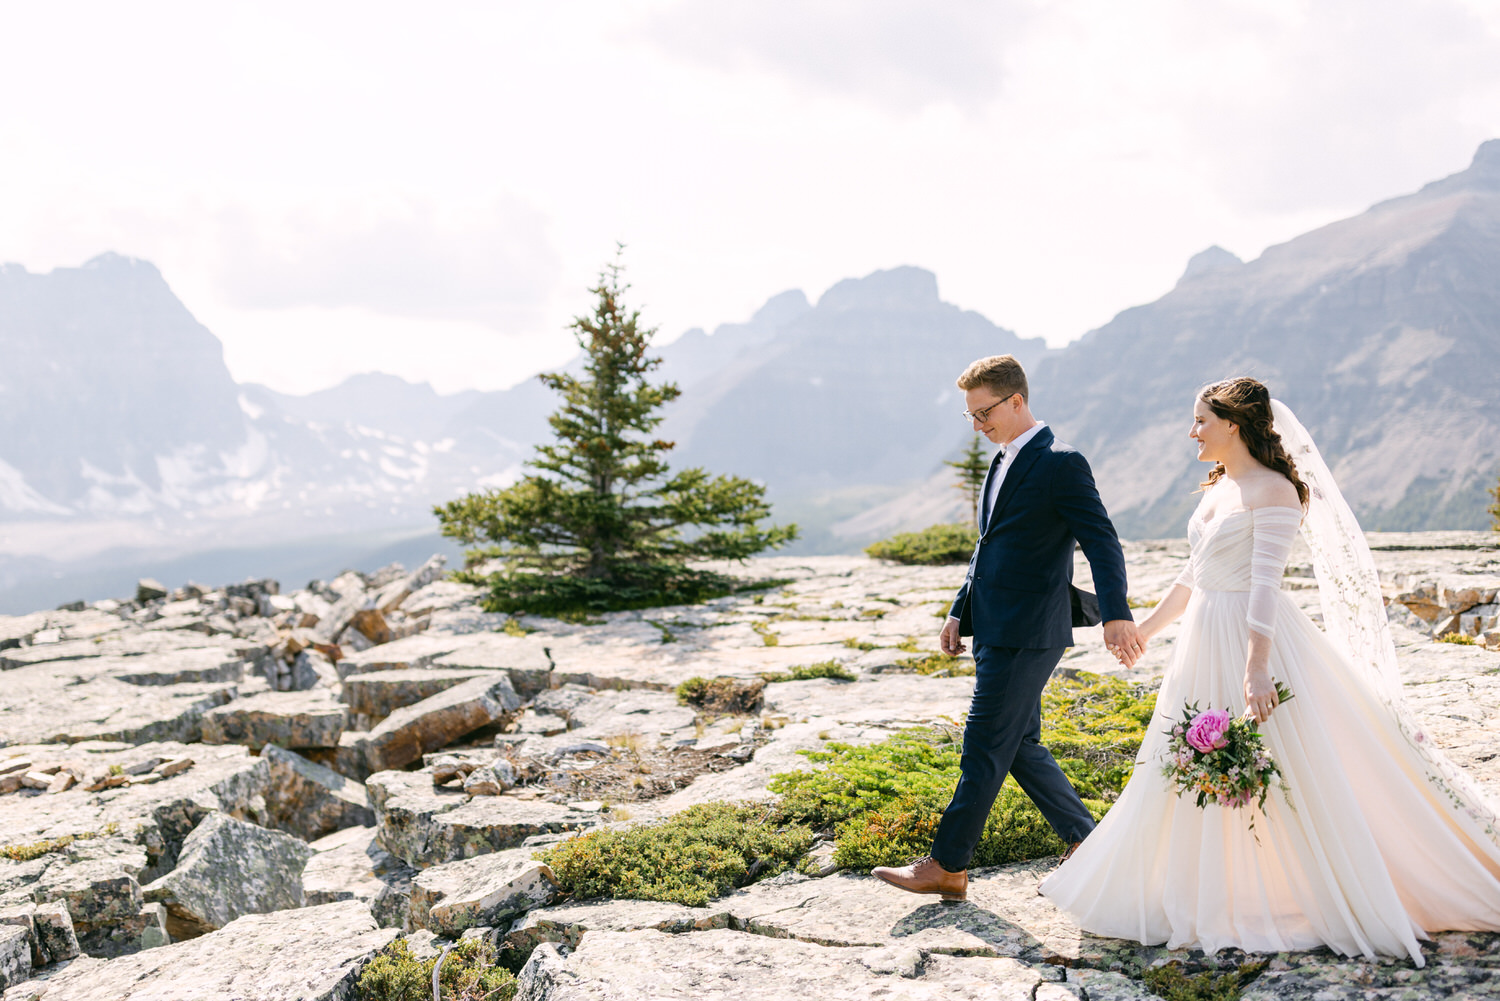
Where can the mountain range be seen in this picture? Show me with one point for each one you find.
(124, 440)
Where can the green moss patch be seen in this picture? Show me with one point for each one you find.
(701, 853)
(26, 851)
(803, 672)
(881, 802)
(884, 800)
(469, 973)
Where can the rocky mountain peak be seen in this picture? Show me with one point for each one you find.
(780, 309)
(903, 288)
(1215, 258)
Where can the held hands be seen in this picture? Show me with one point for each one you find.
(948, 640)
(1123, 639)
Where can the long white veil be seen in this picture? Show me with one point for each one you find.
(1354, 615)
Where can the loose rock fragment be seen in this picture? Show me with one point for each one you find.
(435, 722)
(228, 869)
(287, 719)
(486, 890)
(15, 955)
(308, 954)
(310, 800)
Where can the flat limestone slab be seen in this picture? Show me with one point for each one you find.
(487, 890)
(624, 966)
(379, 693)
(403, 654)
(523, 658)
(288, 719)
(410, 732)
(223, 778)
(308, 954)
(78, 700)
(424, 826)
(350, 865)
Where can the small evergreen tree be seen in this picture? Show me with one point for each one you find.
(600, 523)
(972, 469)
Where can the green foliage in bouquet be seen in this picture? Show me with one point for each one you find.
(701, 853)
(1222, 759)
(601, 523)
(468, 974)
(934, 545)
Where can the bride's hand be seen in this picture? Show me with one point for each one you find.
(1260, 695)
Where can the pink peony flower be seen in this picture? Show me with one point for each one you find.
(1208, 729)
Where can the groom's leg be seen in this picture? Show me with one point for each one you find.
(1008, 686)
(1038, 774)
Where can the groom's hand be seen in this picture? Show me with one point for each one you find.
(1123, 639)
(948, 640)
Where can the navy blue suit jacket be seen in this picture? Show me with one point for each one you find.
(1017, 592)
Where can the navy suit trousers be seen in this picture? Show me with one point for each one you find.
(1003, 735)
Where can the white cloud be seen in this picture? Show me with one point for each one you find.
(492, 263)
(897, 55)
(337, 187)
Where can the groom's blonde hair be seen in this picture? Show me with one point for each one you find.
(1001, 374)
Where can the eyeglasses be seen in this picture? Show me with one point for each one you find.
(983, 415)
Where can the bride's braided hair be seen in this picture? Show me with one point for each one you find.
(1246, 403)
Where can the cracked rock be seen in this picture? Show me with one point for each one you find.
(228, 869)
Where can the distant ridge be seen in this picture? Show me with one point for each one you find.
(121, 428)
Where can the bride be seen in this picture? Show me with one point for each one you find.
(1379, 839)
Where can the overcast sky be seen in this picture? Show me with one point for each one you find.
(429, 189)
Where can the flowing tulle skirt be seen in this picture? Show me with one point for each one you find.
(1366, 854)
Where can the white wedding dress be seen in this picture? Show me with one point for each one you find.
(1380, 839)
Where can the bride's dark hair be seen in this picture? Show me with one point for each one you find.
(1246, 403)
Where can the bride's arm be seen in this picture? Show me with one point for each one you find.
(1168, 608)
(1274, 531)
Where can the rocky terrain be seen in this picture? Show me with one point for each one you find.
(245, 793)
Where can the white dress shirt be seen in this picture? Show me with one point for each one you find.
(1011, 451)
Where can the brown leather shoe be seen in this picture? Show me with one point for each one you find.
(1073, 847)
(925, 876)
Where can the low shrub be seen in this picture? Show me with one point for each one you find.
(880, 801)
(469, 973)
(721, 695)
(1171, 983)
(803, 672)
(953, 543)
(1462, 639)
(883, 801)
(701, 853)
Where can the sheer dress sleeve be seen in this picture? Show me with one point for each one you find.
(1186, 577)
(1275, 528)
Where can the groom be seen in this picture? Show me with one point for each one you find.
(1019, 605)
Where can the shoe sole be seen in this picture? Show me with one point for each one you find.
(948, 898)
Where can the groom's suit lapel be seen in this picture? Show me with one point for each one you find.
(1030, 452)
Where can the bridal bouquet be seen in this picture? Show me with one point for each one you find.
(1221, 758)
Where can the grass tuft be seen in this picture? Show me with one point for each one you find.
(804, 672)
(26, 851)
